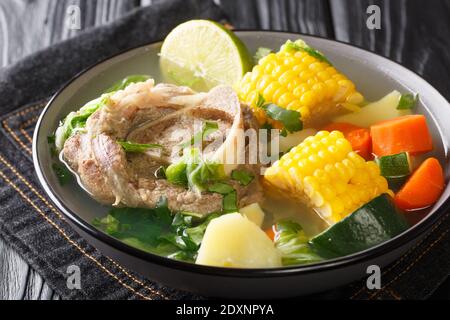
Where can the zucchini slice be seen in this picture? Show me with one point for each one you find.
(375, 222)
(397, 165)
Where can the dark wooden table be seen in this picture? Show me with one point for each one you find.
(413, 32)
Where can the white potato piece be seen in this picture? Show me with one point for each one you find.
(381, 110)
(234, 241)
(254, 213)
(294, 139)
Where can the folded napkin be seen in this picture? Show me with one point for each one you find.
(38, 231)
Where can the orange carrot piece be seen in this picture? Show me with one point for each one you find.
(361, 142)
(343, 127)
(423, 188)
(403, 134)
(358, 137)
(271, 233)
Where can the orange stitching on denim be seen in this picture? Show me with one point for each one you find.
(76, 245)
(26, 135)
(28, 184)
(14, 135)
(26, 110)
(21, 113)
(410, 265)
(129, 275)
(406, 254)
(394, 294)
(26, 124)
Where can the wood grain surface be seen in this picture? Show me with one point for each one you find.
(412, 33)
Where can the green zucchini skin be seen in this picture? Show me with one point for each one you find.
(396, 183)
(375, 222)
(397, 165)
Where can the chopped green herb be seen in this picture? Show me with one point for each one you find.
(284, 133)
(242, 176)
(301, 45)
(293, 244)
(407, 101)
(51, 139)
(132, 147)
(289, 118)
(267, 126)
(261, 53)
(221, 188)
(230, 203)
(51, 142)
(196, 233)
(191, 214)
(63, 174)
(209, 127)
(156, 230)
(316, 54)
(122, 84)
(260, 101)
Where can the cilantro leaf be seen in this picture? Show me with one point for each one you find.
(157, 230)
(290, 119)
(209, 127)
(230, 203)
(260, 101)
(242, 176)
(63, 174)
(132, 147)
(221, 188)
(300, 45)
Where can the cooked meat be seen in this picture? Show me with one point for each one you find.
(164, 114)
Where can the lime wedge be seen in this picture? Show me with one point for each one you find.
(202, 54)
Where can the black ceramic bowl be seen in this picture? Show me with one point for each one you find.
(374, 75)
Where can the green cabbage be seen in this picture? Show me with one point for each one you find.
(292, 242)
(76, 121)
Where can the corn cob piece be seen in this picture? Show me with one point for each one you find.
(328, 175)
(298, 78)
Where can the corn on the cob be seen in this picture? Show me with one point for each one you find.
(328, 175)
(296, 80)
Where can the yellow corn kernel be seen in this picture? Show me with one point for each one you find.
(298, 81)
(328, 175)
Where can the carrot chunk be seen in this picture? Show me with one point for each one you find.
(358, 137)
(361, 142)
(343, 127)
(403, 134)
(271, 233)
(423, 188)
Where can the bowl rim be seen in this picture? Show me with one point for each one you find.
(411, 234)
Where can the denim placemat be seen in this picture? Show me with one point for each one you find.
(38, 231)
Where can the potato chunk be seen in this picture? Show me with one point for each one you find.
(234, 241)
(254, 213)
